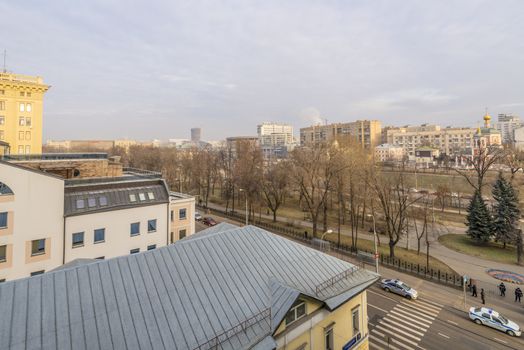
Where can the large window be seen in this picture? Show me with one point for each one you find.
(182, 214)
(80, 204)
(22, 107)
(78, 239)
(134, 251)
(135, 228)
(2, 120)
(38, 247)
(151, 247)
(328, 339)
(3, 253)
(151, 225)
(3, 220)
(297, 311)
(181, 234)
(100, 235)
(355, 316)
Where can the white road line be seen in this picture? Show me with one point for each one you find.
(500, 340)
(395, 331)
(378, 333)
(396, 324)
(415, 311)
(371, 324)
(426, 304)
(406, 315)
(376, 307)
(425, 307)
(373, 346)
(453, 323)
(380, 341)
(443, 335)
(419, 310)
(398, 342)
(432, 302)
(408, 322)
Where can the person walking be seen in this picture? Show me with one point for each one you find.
(474, 290)
(502, 289)
(482, 297)
(518, 294)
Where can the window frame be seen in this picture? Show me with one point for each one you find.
(103, 230)
(182, 232)
(134, 251)
(39, 251)
(329, 339)
(294, 310)
(6, 219)
(355, 310)
(4, 258)
(151, 247)
(78, 244)
(36, 273)
(134, 224)
(180, 214)
(149, 222)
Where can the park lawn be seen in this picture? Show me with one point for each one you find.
(489, 251)
(403, 254)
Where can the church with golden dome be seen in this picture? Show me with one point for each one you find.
(488, 136)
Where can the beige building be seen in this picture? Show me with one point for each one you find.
(21, 111)
(365, 132)
(388, 153)
(88, 145)
(49, 218)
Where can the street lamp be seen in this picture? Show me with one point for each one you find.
(242, 190)
(325, 233)
(374, 241)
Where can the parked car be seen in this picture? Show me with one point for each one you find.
(491, 318)
(209, 221)
(398, 287)
(198, 216)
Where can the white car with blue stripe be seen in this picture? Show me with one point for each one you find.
(491, 318)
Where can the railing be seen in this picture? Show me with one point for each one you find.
(337, 278)
(241, 327)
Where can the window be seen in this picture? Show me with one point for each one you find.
(2, 280)
(2, 120)
(3, 220)
(22, 93)
(91, 202)
(142, 196)
(36, 273)
(355, 316)
(21, 121)
(38, 247)
(135, 228)
(100, 258)
(172, 214)
(2, 92)
(151, 225)
(3, 252)
(151, 247)
(28, 121)
(100, 235)
(2, 105)
(21, 135)
(78, 239)
(181, 234)
(20, 149)
(22, 107)
(132, 197)
(151, 195)
(27, 149)
(80, 204)
(134, 251)
(28, 135)
(103, 201)
(298, 310)
(182, 214)
(328, 337)
(28, 106)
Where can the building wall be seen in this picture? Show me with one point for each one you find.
(309, 331)
(16, 91)
(35, 211)
(176, 223)
(86, 167)
(365, 132)
(117, 224)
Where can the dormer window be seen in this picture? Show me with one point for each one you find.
(297, 311)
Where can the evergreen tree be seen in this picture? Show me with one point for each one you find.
(507, 213)
(478, 220)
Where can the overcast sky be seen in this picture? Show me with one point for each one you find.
(154, 69)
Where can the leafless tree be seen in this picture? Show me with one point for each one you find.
(275, 186)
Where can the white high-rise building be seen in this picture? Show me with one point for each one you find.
(507, 123)
(275, 139)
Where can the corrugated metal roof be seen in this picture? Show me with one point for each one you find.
(181, 296)
(117, 196)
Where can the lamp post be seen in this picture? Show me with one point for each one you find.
(242, 190)
(325, 233)
(374, 241)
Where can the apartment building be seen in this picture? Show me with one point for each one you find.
(276, 139)
(222, 288)
(21, 110)
(506, 124)
(389, 153)
(365, 132)
(50, 217)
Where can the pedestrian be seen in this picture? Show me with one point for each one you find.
(474, 290)
(502, 289)
(518, 294)
(482, 297)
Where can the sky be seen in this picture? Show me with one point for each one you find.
(154, 69)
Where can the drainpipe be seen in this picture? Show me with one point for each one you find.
(63, 240)
(168, 220)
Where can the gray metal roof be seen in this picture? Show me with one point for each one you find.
(230, 290)
(117, 196)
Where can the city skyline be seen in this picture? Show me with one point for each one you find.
(156, 70)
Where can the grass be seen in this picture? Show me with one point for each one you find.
(489, 251)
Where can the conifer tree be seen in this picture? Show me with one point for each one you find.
(478, 220)
(506, 213)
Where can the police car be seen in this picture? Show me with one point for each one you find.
(398, 287)
(491, 318)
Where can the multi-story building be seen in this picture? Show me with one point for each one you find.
(506, 124)
(275, 139)
(518, 135)
(389, 153)
(55, 211)
(21, 110)
(224, 288)
(367, 133)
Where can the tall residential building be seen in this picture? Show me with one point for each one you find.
(366, 132)
(21, 109)
(276, 139)
(196, 135)
(506, 124)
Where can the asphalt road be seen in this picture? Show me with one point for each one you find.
(426, 324)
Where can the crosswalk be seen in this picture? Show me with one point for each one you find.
(403, 327)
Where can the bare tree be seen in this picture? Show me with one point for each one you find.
(275, 186)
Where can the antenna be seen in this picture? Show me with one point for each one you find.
(5, 55)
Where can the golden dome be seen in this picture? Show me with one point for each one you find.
(487, 117)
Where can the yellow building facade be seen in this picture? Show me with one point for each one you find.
(21, 111)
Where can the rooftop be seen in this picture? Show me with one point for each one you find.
(228, 289)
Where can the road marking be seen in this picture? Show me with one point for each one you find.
(443, 335)
(376, 307)
(421, 311)
(395, 332)
(500, 340)
(380, 341)
(379, 333)
(405, 314)
(410, 315)
(453, 323)
(409, 322)
(371, 324)
(428, 308)
(396, 324)
(432, 302)
(411, 310)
